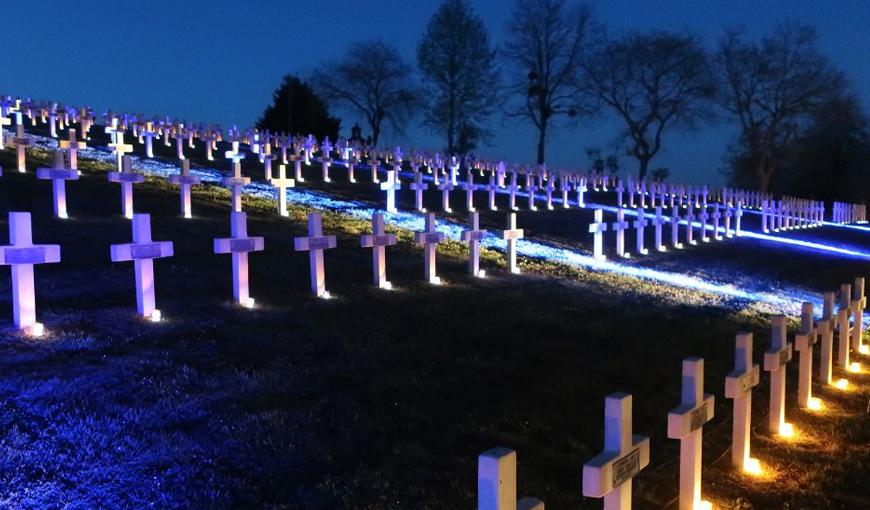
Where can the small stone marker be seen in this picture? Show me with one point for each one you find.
(142, 251)
(236, 181)
(738, 386)
(497, 482)
(609, 474)
(281, 183)
(314, 244)
(776, 359)
(379, 240)
(238, 245)
(430, 238)
(804, 342)
(473, 237)
(640, 225)
(21, 254)
(185, 181)
(597, 229)
(512, 235)
(72, 146)
(686, 422)
(391, 185)
(127, 178)
(58, 176)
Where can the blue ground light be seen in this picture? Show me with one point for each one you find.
(784, 301)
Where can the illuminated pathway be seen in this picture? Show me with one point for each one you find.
(786, 301)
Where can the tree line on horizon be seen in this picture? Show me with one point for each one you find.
(801, 127)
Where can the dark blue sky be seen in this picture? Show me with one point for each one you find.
(219, 60)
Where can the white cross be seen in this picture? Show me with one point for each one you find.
(859, 301)
(21, 254)
(446, 187)
(639, 225)
(491, 188)
(236, 181)
(531, 188)
(473, 236)
(738, 215)
(512, 235)
(685, 422)
(512, 189)
(391, 185)
(314, 244)
(185, 180)
(281, 184)
(21, 141)
(497, 482)
(619, 190)
(776, 359)
(564, 187)
(119, 148)
(469, 186)
(620, 226)
(728, 214)
(4, 121)
(597, 229)
(843, 330)
(430, 238)
(373, 162)
(690, 224)
(72, 146)
(180, 135)
(609, 473)
(716, 216)
(675, 228)
(550, 188)
(149, 133)
(308, 147)
(142, 251)
(826, 333)
(126, 177)
(703, 215)
(239, 244)
(379, 240)
(325, 160)
(419, 187)
(738, 386)
(658, 221)
(58, 174)
(581, 189)
(804, 342)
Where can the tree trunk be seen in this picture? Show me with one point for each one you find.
(376, 133)
(764, 175)
(542, 140)
(642, 168)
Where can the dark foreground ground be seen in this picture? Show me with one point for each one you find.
(372, 400)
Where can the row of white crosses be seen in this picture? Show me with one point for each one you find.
(789, 214)
(609, 474)
(849, 213)
(703, 221)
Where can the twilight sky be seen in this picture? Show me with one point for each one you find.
(220, 60)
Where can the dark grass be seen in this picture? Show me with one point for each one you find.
(371, 400)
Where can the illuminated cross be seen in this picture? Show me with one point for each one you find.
(632, 189)
(843, 329)
(314, 244)
(4, 121)
(640, 224)
(512, 235)
(20, 141)
(643, 194)
(454, 169)
(776, 359)
(738, 215)
(266, 157)
(236, 181)
(512, 190)
(21, 254)
(119, 148)
(142, 251)
(859, 301)
(580, 187)
(497, 482)
(550, 188)
(804, 342)
(391, 185)
(72, 146)
(473, 237)
(58, 174)
(281, 184)
(531, 188)
(179, 136)
(373, 162)
(469, 187)
(148, 134)
(491, 188)
(430, 238)
(419, 187)
(658, 221)
(379, 240)
(210, 138)
(564, 187)
(675, 227)
(597, 229)
(620, 189)
(620, 226)
(308, 148)
(716, 216)
(185, 180)
(703, 216)
(609, 474)
(690, 224)
(325, 160)
(126, 177)
(738, 386)
(446, 187)
(297, 166)
(686, 422)
(238, 245)
(826, 334)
